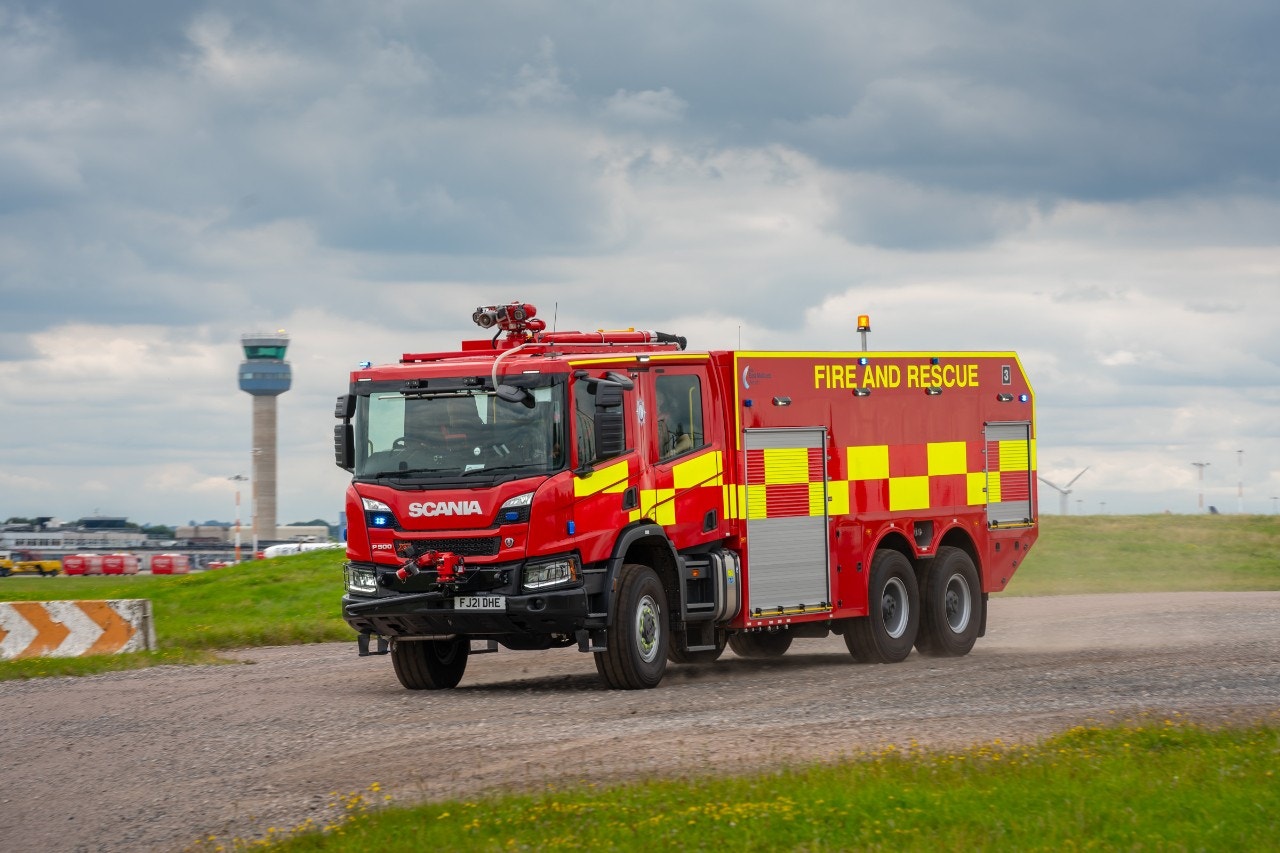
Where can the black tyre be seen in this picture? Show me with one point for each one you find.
(951, 605)
(678, 654)
(430, 664)
(637, 636)
(761, 644)
(888, 631)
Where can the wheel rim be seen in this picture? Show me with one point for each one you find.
(648, 627)
(959, 603)
(894, 608)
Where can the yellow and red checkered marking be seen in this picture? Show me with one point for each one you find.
(781, 482)
(908, 477)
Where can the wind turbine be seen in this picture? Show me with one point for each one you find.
(1064, 490)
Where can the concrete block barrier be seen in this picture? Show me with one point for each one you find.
(31, 629)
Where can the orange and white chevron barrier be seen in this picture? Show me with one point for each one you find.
(65, 629)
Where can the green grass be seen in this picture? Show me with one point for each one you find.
(1157, 784)
(1151, 553)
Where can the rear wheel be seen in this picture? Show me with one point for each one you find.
(888, 631)
(430, 664)
(951, 606)
(761, 644)
(636, 640)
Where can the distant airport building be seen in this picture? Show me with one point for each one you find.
(224, 534)
(94, 532)
(266, 375)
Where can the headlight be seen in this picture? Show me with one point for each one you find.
(378, 514)
(557, 573)
(515, 510)
(360, 579)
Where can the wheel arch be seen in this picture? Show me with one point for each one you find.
(894, 540)
(645, 543)
(959, 537)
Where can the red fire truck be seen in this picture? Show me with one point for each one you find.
(646, 503)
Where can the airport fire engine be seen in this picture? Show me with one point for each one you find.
(617, 492)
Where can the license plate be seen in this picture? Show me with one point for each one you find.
(480, 602)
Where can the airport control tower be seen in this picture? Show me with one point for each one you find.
(266, 375)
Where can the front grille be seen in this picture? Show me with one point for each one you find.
(474, 546)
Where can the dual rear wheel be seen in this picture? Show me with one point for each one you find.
(939, 613)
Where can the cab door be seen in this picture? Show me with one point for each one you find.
(688, 500)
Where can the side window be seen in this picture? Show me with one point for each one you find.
(584, 421)
(679, 414)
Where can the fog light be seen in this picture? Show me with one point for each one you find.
(543, 575)
(360, 579)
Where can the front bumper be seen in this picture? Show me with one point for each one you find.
(425, 609)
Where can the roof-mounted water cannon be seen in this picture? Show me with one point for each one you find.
(514, 318)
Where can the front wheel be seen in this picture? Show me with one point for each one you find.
(888, 631)
(951, 611)
(430, 664)
(635, 657)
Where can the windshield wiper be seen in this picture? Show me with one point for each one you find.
(382, 475)
(491, 468)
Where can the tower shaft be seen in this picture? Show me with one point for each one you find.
(264, 467)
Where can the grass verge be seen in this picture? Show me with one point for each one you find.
(1151, 553)
(1155, 784)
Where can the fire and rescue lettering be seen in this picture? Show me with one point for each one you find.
(845, 376)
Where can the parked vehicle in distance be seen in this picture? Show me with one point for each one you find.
(27, 562)
(119, 564)
(82, 564)
(170, 564)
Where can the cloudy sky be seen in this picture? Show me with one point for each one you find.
(1095, 185)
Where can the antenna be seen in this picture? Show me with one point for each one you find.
(1064, 491)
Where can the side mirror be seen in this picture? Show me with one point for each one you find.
(611, 438)
(608, 396)
(620, 379)
(344, 446)
(512, 394)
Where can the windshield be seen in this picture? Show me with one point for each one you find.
(451, 434)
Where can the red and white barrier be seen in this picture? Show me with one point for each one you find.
(73, 628)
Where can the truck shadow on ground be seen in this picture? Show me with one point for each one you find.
(726, 668)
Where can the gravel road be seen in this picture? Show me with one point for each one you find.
(158, 759)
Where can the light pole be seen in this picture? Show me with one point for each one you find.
(1201, 466)
(238, 479)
